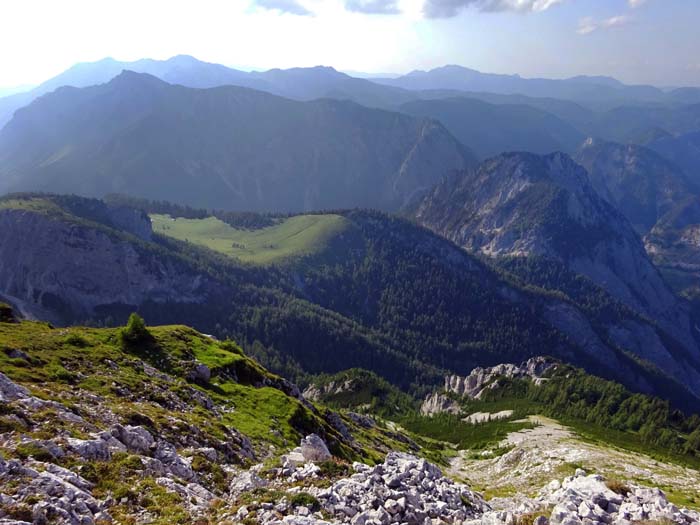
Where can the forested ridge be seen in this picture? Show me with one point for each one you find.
(383, 294)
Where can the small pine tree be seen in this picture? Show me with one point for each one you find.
(135, 330)
(692, 445)
(6, 313)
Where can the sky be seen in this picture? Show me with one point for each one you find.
(636, 41)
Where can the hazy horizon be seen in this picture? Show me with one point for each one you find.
(634, 41)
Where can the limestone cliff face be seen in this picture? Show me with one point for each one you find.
(46, 263)
(523, 204)
(130, 220)
(438, 403)
(659, 200)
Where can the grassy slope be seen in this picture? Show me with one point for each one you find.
(37, 205)
(89, 372)
(70, 365)
(294, 236)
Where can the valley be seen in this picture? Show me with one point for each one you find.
(249, 289)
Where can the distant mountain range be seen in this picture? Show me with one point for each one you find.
(491, 129)
(297, 83)
(227, 147)
(538, 115)
(559, 97)
(594, 90)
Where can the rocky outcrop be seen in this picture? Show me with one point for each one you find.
(44, 481)
(406, 489)
(409, 490)
(438, 403)
(317, 392)
(62, 496)
(588, 499)
(480, 379)
(11, 391)
(402, 489)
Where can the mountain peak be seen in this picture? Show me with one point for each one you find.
(556, 168)
(128, 77)
(183, 59)
(106, 61)
(315, 71)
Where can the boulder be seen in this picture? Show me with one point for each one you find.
(200, 374)
(245, 482)
(293, 459)
(11, 391)
(90, 448)
(135, 438)
(314, 449)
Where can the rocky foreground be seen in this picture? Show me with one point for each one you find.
(403, 489)
(408, 490)
(116, 440)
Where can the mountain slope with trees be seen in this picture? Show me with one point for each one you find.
(523, 207)
(382, 294)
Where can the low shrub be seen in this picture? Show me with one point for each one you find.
(333, 468)
(39, 453)
(76, 340)
(304, 499)
(18, 512)
(618, 487)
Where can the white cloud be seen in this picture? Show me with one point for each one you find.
(589, 24)
(373, 7)
(284, 6)
(636, 3)
(451, 8)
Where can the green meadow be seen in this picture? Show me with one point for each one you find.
(290, 237)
